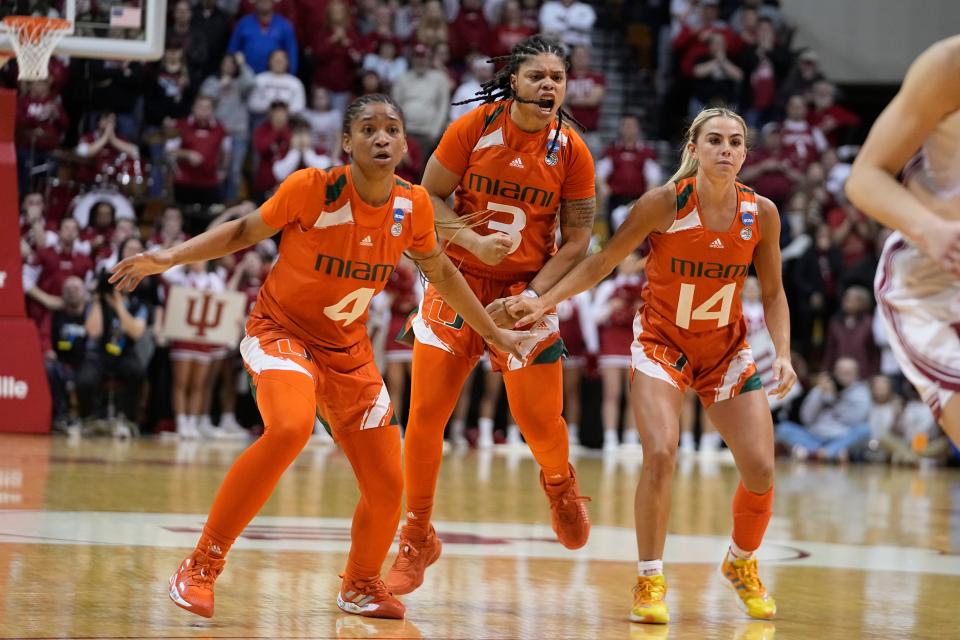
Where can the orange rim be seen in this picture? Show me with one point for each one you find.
(31, 28)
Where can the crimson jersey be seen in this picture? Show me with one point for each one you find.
(694, 274)
(518, 180)
(337, 252)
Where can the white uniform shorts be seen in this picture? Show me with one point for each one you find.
(919, 304)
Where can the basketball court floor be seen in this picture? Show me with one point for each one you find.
(91, 529)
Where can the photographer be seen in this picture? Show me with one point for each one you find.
(836, 415)
(120, 348)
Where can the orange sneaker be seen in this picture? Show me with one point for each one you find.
(191, 586)
(369, 597)
(568, 513)
(417, 552)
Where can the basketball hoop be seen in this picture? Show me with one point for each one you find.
(33, 40)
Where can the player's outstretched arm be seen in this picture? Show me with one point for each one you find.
(211, 244)
(654, 211)
(453, 288)
(768, 264)
(930, 91)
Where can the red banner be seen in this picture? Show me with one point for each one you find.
(24, 394)
(11, 286)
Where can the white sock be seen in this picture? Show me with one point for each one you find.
(650, 568)
(486, 427)
(181, 422)
(456, 427)
(686, 441)
(710, 441)
(227, 417)
(736, 552)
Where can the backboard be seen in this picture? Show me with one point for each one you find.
(112, 29)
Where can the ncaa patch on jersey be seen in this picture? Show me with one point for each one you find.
(746, 233)
(747, 218)
(398, 215)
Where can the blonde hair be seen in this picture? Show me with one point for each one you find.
(688, 162)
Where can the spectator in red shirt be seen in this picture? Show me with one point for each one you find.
(469, 33)
(834, 121)
(803, 143)
(852, 232)
(271, 140)
(716, 78)
(433, 28)
(628, 168)
(301, 154)
(765, 63)
(382, 31)
(106, 147)
(170, 231)
(44, 278)
(511, 29)
(202, 154)
(96, 236)
(336, 52)
(769, 170)
(693, 44)
(850, 334)
(585, 89)
(41, 124)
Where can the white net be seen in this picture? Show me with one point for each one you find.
(33, 40)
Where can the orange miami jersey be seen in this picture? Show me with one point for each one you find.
(516, 181)
(336, 254)
(691, 331)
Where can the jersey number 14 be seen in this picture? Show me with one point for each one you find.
(706, 311)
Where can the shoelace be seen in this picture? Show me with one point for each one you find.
(647, 591)
(569, 497)
(747, 572)
(373, 586)
(204, 569)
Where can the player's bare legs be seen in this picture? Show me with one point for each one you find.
(656, 408)
(745, 424)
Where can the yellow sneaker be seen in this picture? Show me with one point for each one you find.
(648, 603)
(741, 576)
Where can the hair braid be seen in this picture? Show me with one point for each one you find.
(499, 87)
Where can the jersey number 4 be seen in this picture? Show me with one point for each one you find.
(350, 307)
(706, 311)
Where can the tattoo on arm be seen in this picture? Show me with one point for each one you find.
(578, 213)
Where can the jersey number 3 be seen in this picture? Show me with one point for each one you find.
(515, 226)
(705, 311)
(350, 307)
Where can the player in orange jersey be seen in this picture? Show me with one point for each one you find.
(518, 172)
(705, 229)
(918, 280)
(307, 349)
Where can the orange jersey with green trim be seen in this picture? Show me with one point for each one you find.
(518, 180)
(337, 252)
(695, 274)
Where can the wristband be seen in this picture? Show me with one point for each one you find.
(530, 293)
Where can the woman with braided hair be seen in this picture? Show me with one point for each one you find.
(518, 170)
(306, 347)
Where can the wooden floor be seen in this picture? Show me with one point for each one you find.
(91, 529)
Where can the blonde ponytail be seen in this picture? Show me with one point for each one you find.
(689, 165)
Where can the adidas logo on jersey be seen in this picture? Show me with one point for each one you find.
(517, 162)
(366, 242)
(716, 244)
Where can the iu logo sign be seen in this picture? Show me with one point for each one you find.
(205, 317)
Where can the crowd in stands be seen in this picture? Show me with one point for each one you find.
(115, 157)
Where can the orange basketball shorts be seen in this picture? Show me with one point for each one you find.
(717, 364)
(349, 389)
(438, 325)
